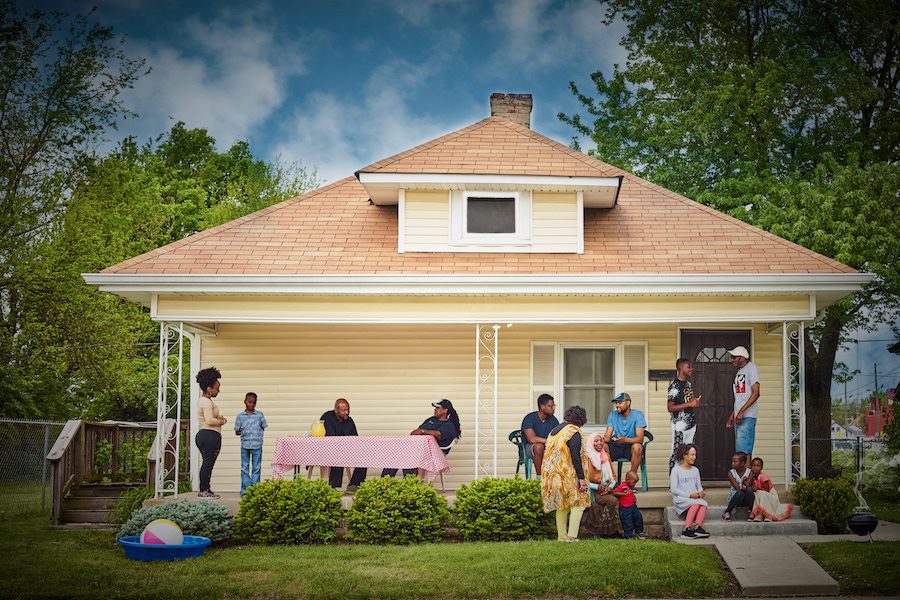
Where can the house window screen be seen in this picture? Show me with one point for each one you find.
(589, 381)
(491, 215)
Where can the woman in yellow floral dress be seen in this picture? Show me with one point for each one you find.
(564, 486)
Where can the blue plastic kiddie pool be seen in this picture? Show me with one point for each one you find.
(194, 545)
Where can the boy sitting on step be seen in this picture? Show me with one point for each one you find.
(632, 520)
(741, 478)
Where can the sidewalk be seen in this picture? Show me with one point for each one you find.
(775, 565)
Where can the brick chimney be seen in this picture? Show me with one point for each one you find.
(515, 107)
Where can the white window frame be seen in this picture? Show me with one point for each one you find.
(520, 237)
(618, 374)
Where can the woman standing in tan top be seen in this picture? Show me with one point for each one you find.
(209, 435)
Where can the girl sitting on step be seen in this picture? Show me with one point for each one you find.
(687, 493)
(766, 506)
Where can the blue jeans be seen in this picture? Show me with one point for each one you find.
(745, 435)
(632, 520)
(250, 473)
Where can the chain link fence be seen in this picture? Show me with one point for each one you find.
(855, 456)
(24, 473)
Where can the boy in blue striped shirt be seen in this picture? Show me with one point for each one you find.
(250, 425)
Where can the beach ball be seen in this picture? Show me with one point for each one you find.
(162, 531)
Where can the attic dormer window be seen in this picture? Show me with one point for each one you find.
(490, 214)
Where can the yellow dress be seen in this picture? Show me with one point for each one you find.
(559, 483)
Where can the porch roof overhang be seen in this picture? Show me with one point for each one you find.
(822, 289)
(384, 188)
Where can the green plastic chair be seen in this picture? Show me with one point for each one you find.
(518, 439)
(648, 437)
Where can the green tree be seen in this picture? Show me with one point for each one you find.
(783, 114)
(61, 78)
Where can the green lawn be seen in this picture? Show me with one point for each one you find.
(886, 507)
(88, 564)
(22, 497)
(860, 568)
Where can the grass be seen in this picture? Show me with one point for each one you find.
(86, 564)
(887, 507)
(22, 497)
(860, 568)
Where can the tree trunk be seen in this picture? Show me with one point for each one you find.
(819, 369)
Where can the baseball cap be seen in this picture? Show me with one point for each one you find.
(622, 397)
(443, 404)
(739, 351)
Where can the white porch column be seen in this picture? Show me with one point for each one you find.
(486, 388)
(794, 400)
(168, 407)
(195, 414)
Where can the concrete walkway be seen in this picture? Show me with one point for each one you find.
(775, 565)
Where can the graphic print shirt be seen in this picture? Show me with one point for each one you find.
(682, 392)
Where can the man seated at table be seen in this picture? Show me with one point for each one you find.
(536, 426)
(339, 422)
(443, 427)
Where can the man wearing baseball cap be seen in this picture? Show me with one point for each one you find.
(746, 409)
(624, 437)
(443, 427)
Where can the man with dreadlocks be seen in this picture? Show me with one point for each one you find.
(443, 427)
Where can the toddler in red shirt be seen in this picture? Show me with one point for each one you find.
(632, 521)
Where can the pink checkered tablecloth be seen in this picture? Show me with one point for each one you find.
(375, 451)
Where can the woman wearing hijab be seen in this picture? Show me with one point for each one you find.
(603, 515)
(564, 486)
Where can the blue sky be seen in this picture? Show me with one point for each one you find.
(339, 84)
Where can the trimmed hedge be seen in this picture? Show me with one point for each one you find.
(302, 511)
(202, 518)
(829, 502)
(501, 510)
(397, 511)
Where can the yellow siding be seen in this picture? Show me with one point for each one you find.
(391, 373)
(555, 221)
(427, 220)
(432, 309)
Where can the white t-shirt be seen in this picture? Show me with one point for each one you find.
(743, 389)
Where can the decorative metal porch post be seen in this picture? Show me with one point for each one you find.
(795, 400)
(486, 387)
(168, 407)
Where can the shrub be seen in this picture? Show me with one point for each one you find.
(129, 501)
(202, 518)
(289, 512)
(397, 511)
(829, 502)
(501, 509)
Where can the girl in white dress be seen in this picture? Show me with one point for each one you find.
(687, 493)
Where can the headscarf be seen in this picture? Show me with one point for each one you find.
(599, 459)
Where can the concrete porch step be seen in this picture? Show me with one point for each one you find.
(797, 524)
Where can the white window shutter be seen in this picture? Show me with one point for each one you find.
(543, 370)
(635, 374)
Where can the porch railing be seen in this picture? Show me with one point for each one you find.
(91, 452)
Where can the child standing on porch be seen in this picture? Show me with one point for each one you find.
(250, 425)
(687, 493)
(629, 514)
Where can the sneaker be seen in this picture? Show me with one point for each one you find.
(208, 494)
(749, 518)
(758, 519)
(726, 516)
(688, 534)
(640, 536)
(352, 488)
(701, 533)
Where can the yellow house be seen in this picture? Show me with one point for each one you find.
(487, 266)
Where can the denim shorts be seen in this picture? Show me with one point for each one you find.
(745, 435)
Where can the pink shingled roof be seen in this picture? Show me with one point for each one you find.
(336, 230)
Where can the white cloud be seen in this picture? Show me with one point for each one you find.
(544, 34)
(227, 75)
(339, 135)
(424, 12)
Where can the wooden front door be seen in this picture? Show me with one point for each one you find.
(713, 376)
